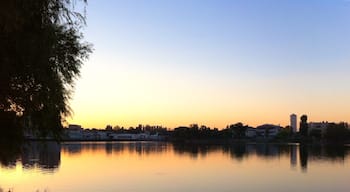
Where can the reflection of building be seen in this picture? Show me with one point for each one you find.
(112, 147)
(293, 155)
(267, 150)
(72, 148)
(293, 123)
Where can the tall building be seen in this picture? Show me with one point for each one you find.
(293, 122)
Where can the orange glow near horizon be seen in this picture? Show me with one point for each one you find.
(181, 101)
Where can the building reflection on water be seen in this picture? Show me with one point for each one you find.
(141, 148)
(303, 153)
(47, 155)
(293, 155)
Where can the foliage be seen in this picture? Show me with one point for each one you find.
(194, 132)
(303, 126)
(238, 130)
(317, 134)
(41, 52)
(284, 133)
(337, 132)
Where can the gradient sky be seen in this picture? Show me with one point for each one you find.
(214, 62)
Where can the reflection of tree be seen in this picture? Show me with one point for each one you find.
(270, 150)
(194, 150)
(9, 152)
(335, 152)
(109, 148)
(303, 153)
(2, 190)
(44, 155)
(72, 148)
(237, 151)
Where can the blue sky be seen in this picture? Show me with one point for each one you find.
(214, 62)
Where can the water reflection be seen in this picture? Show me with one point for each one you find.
(238, 152)
(47, 155)
(141, 148)
(9, 153)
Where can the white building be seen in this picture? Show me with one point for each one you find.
(263, 131)
(95, 134)
(267, 130)
(74, 132)
(129, 136)
(293, 122)
(250, 132)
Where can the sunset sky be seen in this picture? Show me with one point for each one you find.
(214, 62)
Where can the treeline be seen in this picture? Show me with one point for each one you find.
(335, 132)
(195, 132)
(332, 133)
(138, 129)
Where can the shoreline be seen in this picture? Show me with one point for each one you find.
(201, 142)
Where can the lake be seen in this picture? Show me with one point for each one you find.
(161, 166)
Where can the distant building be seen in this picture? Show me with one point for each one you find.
(74, 127)
(293, 123)
(318, 127)
(130, 136)
(250, 132)
(74, 132)
(267, 130)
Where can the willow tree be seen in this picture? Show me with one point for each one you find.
(41, 53)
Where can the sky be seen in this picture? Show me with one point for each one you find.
(214, 62)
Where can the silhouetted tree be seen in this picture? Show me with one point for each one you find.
(303, 125)
(315, 133)
(238, 130)
(284, 133)
(41, 52)
(337, 132)
(109, 128)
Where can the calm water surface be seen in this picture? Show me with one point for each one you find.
(158, 166)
